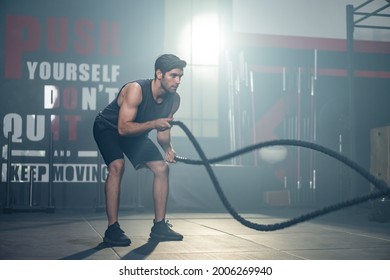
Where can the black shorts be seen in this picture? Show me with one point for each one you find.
(112, 146)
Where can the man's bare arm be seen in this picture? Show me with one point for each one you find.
(131, 97)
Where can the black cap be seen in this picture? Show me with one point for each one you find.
(167, 62)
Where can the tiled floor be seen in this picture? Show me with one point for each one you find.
(344, 235)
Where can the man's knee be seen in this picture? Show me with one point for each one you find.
(116, 167)
(160, 168)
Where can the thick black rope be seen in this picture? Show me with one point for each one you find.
(382, 188)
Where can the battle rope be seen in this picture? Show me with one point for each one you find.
(383, 188)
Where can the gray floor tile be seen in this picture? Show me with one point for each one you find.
(77, 235)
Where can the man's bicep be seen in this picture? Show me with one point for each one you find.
(175, 105)
(127, 113)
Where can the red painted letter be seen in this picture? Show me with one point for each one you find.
(17, 41)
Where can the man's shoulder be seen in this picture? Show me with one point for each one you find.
(142, 82)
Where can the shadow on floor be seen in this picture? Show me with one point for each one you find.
(142, 252)
(86, 253)
(139, 253)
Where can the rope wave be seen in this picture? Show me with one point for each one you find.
(382, 189)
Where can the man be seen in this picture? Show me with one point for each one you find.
(123, 127)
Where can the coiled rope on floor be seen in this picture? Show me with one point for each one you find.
(382, 189)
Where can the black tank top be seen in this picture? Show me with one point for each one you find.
(148, 110)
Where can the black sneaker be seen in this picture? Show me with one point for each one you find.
(162, 231)
(115, 236)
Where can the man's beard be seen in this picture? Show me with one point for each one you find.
(168, 89)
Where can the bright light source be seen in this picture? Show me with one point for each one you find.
(205, 39)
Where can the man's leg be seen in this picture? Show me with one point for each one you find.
(114, 235)
(108, 143)
(160, 170)
(112, 189)
(161, 229)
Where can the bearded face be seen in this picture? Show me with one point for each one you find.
(170, 80)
